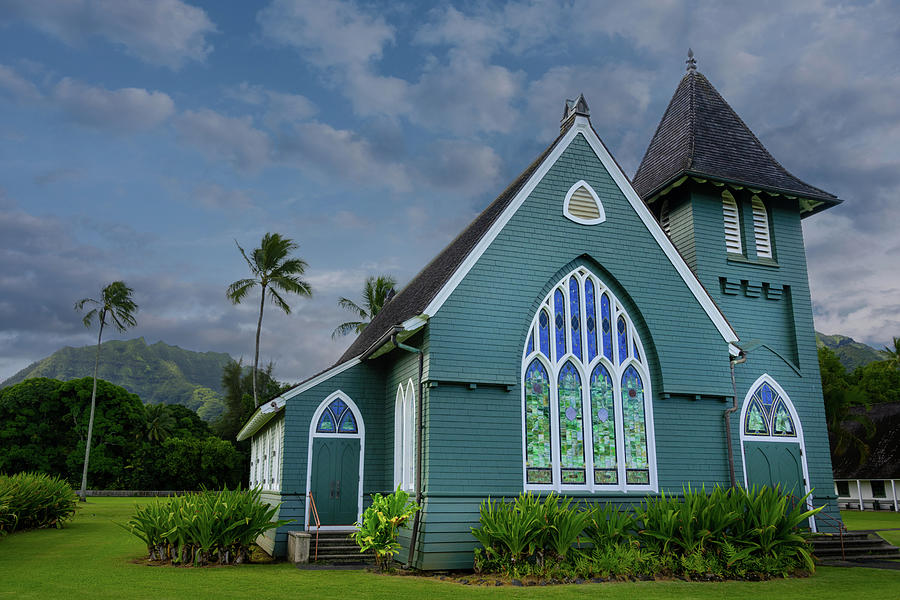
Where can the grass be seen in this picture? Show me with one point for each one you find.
(93, 558)
(869, 519)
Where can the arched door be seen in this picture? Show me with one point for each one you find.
(772, 439)
(335, 466)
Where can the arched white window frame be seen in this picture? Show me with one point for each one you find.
(405, 437)
(584, 369)
(596, 221)
(798, 426)
(731, 217)
(360, 435)
(762, 235)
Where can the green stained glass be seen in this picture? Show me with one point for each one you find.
(571, 425)
(783, 423)
(634, 420)
(538, 438)
(603, 423)
(755, 422)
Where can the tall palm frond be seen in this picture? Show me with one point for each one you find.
(376, 291)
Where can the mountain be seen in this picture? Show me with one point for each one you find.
(157, 373)
(851, 353)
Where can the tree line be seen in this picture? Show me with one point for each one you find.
(849, 396)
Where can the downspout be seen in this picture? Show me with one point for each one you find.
(740, 358)
(420, 400)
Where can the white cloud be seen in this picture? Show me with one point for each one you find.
(122, 110)
(328, 33)
(17, 87)
(234, 140)
(461, 166)
(280, 107)
(169, 33)
(217, 198)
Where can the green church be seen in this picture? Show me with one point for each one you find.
(598, 337)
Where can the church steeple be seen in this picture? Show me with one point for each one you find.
(701, 135)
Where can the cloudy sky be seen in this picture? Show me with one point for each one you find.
(140, 138)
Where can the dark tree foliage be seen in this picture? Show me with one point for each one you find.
(844, 403)
(237, 382)
(878, 381)
(43, 424)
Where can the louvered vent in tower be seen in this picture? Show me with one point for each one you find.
(732, 224)
(583, 206)
(761, 229)
(664, 216)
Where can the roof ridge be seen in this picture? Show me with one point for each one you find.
(692, 124)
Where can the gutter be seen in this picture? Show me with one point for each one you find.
(419, 438)
(263, 415)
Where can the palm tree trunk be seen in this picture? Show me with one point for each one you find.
(262, 303)
(87, 447)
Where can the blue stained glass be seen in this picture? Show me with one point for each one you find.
(622, 329)
(766, 394)
(544, 332)
(530, 343)
(348, 423)
(337, 407)
(575, 311)
(637, 353)
(607, 327)
(591, 319)
(326, 423)
(559, 307)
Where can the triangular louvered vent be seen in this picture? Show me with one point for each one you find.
(732, 224)
(761, 229)
(583, 206)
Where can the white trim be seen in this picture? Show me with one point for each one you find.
(582, 125)
(731, 219)
(761, 234)
(585, 367)
(798, 425)
(310, 383)
(360, 435)
(566, 213)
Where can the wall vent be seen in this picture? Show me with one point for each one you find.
(761, 229)
(583, 206)
(732, 224)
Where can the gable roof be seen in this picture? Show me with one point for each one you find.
(700, 134)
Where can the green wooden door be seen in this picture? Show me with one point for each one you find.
(335, 479)
(775, 463)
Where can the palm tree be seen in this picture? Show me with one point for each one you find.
(117, 305)
(375, 294)
(893, 354)
(160, 422)
(274, 270)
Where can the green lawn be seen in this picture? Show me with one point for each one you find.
(869, 519)
(93, 558)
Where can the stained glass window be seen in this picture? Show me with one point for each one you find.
(622, 330)
(587, 413)
(768, 414)
(538, 435)
(590, 320)
(637, 467)
(575, 318)
(559, 308)
(571, 426)
(337, 418)
(606, 326)
(544, 332)
(603, 423)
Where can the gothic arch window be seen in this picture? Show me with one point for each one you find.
(404, 436)
(587, 411)
(767, 414)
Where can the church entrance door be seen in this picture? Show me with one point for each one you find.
(774, 463)
(335, 479)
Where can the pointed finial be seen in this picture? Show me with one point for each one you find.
(691, 61)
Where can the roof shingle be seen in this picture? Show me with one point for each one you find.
(700, 134)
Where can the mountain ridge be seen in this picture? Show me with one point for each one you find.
(851, 353)
(157, 373)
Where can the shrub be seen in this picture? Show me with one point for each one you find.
(204, 527)
(723, 533)
(34, 501)
(380, 525)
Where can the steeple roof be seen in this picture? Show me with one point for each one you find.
(700, 134)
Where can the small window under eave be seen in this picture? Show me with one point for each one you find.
(583, 206)
(761, 229)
